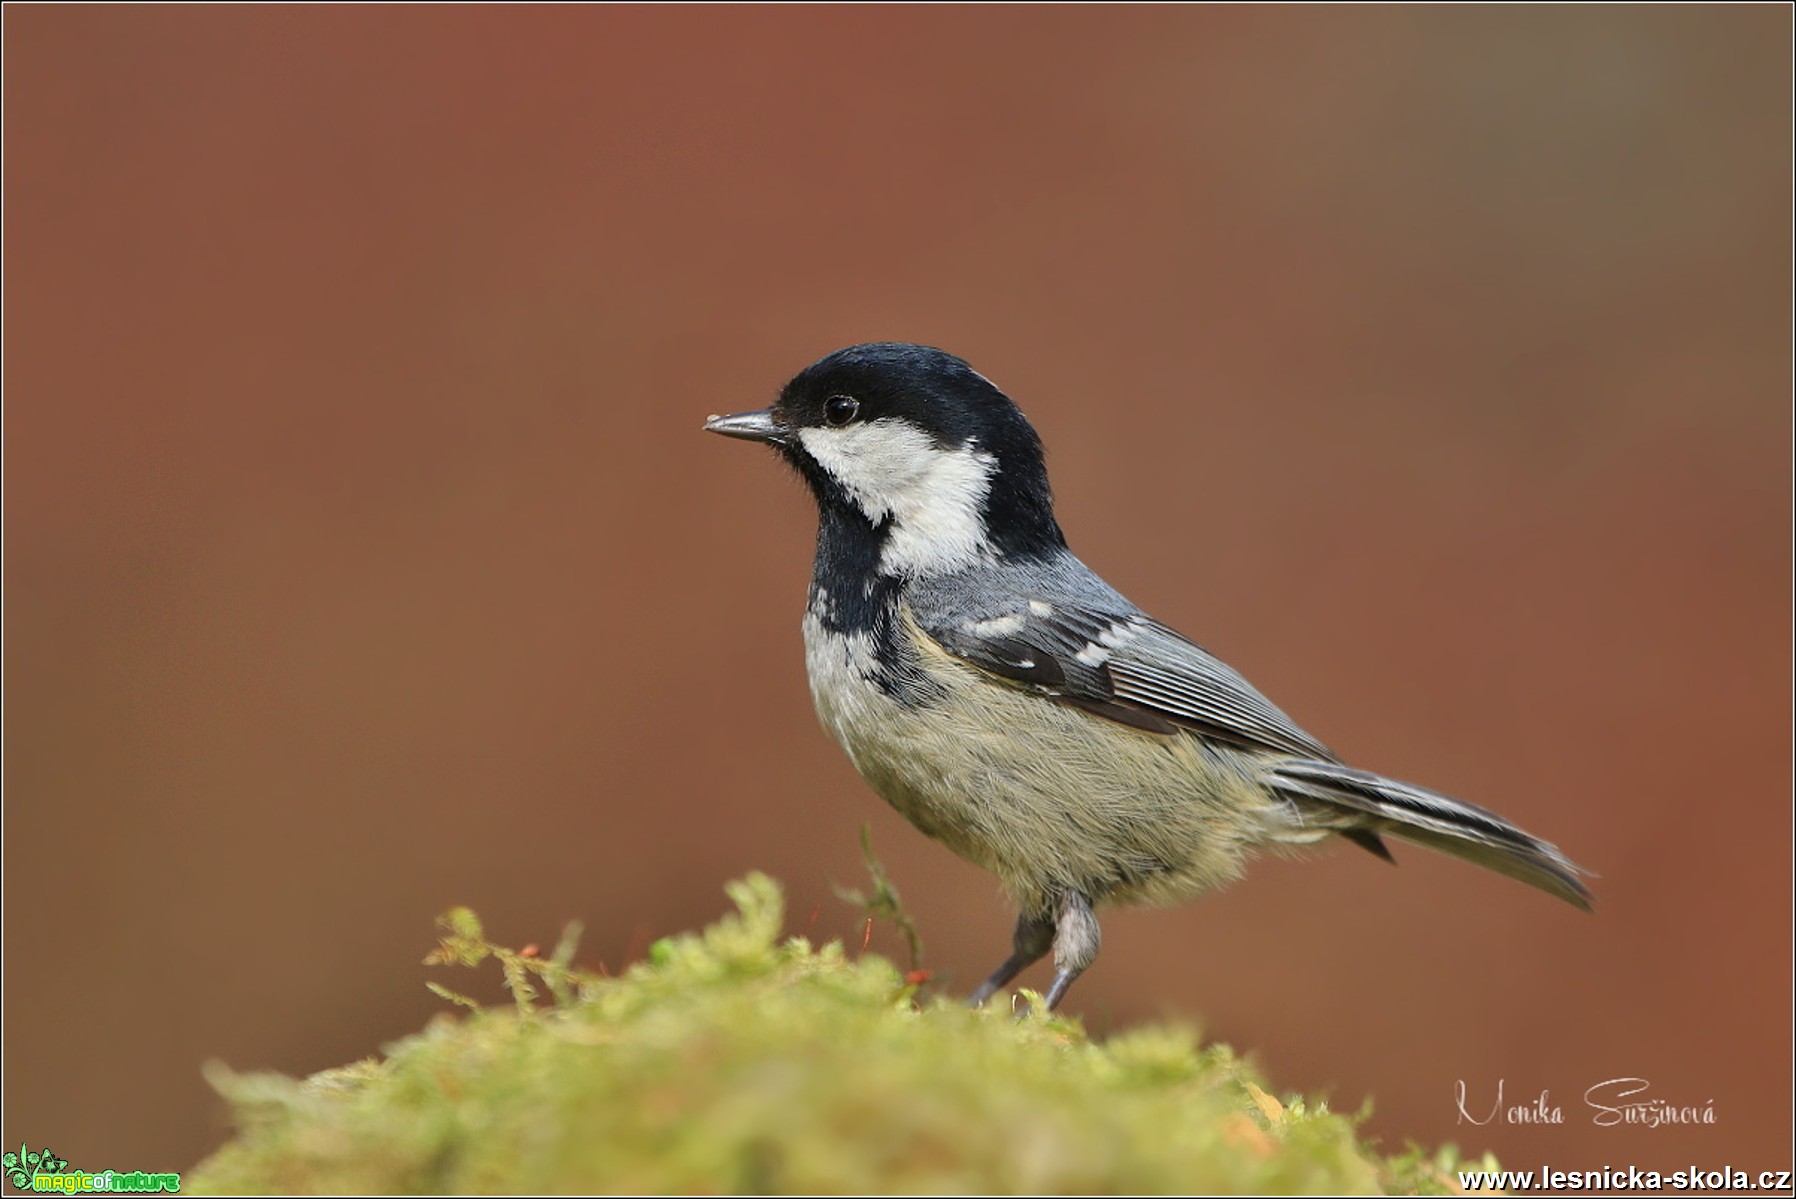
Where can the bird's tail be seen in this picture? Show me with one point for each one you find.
(1415, 814)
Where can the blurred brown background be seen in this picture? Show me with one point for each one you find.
(364, 555)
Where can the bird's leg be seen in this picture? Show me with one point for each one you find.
(1076, 941)
(1029, 944)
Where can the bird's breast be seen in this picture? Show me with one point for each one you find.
(1040, 793)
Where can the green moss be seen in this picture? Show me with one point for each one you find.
(732, 1061)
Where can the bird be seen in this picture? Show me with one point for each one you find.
(1015, 707)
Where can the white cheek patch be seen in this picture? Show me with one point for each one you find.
(933, 496)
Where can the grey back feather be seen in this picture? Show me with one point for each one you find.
(1053, 625)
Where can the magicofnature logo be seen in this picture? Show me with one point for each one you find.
(42, 1171)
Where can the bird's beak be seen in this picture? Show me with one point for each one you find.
(749, 426)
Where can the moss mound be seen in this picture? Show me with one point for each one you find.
(733, 1061)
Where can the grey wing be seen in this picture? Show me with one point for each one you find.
(1159, 668)
(1118, 664)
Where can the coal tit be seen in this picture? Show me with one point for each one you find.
(1015, 707)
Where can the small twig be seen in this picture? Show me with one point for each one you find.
(883, 904)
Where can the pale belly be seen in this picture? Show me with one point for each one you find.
(1044, 795)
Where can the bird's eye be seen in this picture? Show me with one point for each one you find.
(839, 410)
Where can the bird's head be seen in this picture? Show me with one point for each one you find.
(937, 462)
